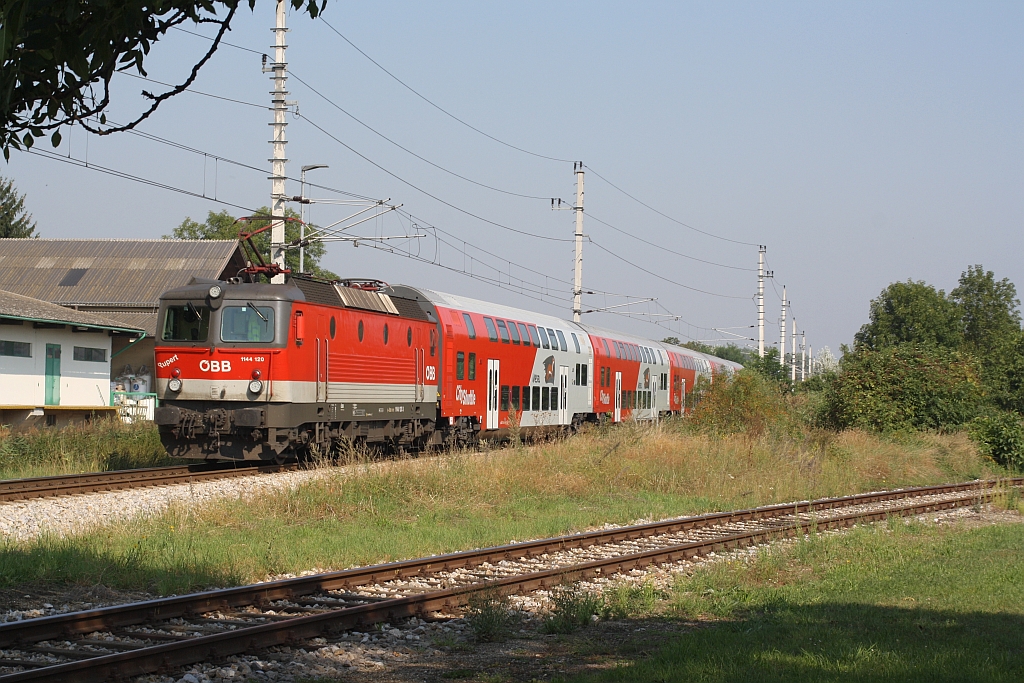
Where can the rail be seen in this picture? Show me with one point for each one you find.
(183, 635)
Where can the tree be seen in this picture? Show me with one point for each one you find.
(59, 56)
(909, 386)
(222, 226)
(14, 222)
(911, 312)
(990, 311)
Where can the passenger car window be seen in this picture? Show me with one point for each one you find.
(186, 323)
(470, 329)
(533, 335)
(524, 333)
(492, 331)
(247, 324)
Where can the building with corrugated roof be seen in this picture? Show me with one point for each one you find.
(54, 361)
(118, 279)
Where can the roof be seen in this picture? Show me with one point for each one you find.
(21, 307)
(109, 272)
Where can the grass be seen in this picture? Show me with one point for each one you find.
(411, 508)
(889, 603)
(99, 446)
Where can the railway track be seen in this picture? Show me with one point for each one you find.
(92, 482)
(167, 633)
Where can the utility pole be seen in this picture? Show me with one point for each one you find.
(803, 356)
(792, 365)
(279, 69)
(782, 329)
(760, 301)
(577, 280)
(303, 200)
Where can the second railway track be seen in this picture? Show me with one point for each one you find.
(93, 482)
(167, 633)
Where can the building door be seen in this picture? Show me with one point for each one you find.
(563, 394)
(52, 378)
(493, 391)
(618, 397)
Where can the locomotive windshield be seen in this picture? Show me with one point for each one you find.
(186, 322)
(247, 324)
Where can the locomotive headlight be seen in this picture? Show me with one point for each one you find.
(174, 385)
(255, 386)
(215, 291)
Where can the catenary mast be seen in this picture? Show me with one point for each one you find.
(279, 71)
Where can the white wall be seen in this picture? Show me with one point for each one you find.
(82, 383)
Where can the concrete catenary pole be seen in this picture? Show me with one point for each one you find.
(577, 278)
(782, 330)
(279, 76)
(760, 301)
(803, 356)
(792, 364)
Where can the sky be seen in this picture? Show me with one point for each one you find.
(861, 143)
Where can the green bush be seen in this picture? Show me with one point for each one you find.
(746, 402)
(1001, 437)
(903, 387)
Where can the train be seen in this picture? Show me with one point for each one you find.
(247, 370)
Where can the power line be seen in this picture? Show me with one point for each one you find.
(129, 176)
(665, 215)
(438, 107)
(432, 196)
(662, 277)
(664, 248)
(409, 151)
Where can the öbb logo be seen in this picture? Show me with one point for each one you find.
(215, 365)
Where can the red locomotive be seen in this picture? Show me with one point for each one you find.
(249, 371)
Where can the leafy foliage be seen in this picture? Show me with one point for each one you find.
(59, 57)
(903, 387)
(14, 221)
(911, 312)
(746, 402)
(222, 226)
(1001, 437)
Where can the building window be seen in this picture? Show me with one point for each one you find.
(92, 355)
(514, 331)
(526, 399)
(492, 331)
(16, 348)
(472, 366)
(460, 365)
(504, 397)
(503, 331)
(470, 329)
(524, 333)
